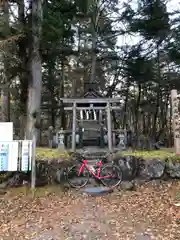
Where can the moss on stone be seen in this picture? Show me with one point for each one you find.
(148, 155)
(164, 154)
(49, 154)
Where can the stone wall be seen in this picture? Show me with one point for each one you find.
(53, 171)
(134, 167)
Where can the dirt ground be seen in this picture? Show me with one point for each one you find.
(54, 214)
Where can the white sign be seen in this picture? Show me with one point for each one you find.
(6, 131)
(8, 156)
(26, 155)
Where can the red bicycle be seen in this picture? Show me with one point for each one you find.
(109, 174)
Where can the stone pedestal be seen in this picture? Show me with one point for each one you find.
(122, 141)
(60, 139)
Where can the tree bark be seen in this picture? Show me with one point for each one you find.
(137, 109)
(93, 66)
(94, 45)
(126, 104)
(154, 129)
(35, 81)
(61, 93)
(5, 95)
(23, 69)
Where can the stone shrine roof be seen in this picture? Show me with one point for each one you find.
(92, 94)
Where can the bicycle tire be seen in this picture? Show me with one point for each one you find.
(118, 171)
(70, 171)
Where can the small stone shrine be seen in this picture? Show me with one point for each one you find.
(92, 124)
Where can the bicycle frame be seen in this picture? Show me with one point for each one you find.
(98, 175)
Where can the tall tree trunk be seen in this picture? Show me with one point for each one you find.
(154, 129)
(144, 129)
(5, 104)
(51, 100)
(61, 93)
(126, 104)
(23, 67)
(94, 23)
(35, 82)
(137, 109)
(75, 82)
(5, 95)
(93, 66)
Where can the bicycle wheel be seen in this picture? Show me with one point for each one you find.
(74, 179)
(114, 173)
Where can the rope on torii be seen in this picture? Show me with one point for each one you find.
(95, 115)
(88, 114)
(81, 114)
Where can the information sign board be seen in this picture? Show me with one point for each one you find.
(26, 155)
(8, 155)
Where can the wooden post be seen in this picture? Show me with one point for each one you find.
(33, 163)
(175, 118)
(100, 115)
(74, 128)
(109, 127)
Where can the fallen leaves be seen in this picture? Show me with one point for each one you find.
(149, 213)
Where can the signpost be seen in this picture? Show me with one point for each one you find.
(33, 163)
(4, 156)
(13, 156)
(176, 122)
(26, 155)
(9, 155)
(16, 155)
(8, 148)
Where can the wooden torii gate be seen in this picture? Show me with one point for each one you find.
(108, 108)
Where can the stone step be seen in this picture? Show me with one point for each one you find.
(91, 142)
(95, 156)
